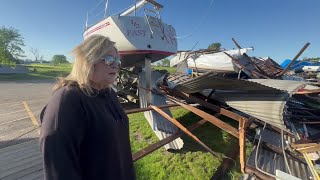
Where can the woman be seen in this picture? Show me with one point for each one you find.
(85, 132)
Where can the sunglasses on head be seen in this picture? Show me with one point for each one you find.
(109, 60)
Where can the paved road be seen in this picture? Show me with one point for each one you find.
(19, 103)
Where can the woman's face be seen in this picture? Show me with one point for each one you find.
(105, 74)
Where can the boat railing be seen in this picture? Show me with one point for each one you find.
(157, 17)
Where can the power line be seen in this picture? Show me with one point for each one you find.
(197, 27)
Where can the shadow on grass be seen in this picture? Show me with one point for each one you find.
(211, 135)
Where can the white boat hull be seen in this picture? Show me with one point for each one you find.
(137, 38)
(218, 62)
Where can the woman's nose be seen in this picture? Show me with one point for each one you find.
(115, 65)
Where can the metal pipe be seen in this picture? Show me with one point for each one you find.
(236, 43)
(255, 158)
(134, 8)
(284, 153)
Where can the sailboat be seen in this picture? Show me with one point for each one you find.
(138, 37)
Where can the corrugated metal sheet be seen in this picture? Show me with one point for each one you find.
(265, 106)
(284, 85)
(269, 161)
(261, 98)
(160, 125)
(211, 81)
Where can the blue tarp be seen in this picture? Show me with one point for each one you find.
(296, 64)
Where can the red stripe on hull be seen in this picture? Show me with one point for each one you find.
(146, 52)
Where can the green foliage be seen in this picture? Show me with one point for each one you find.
(59, 59)
(165, 62)
(215, 46)
(11, 43)
(316, 59)
(6, 58)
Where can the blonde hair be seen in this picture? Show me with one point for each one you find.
(86, 54)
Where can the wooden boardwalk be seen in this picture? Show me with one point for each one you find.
(21, 161)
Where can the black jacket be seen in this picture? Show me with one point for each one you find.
(85, 137)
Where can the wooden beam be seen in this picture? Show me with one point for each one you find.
(293, 145)
(208, 105)
(242, 144)
(184, 129)
(217, 122)
(236, 43)
(131, 111)
(309, 149)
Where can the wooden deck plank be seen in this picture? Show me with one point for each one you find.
(24, 172)
(22, 167)
(16, 157)
(34, 176)
(18, 147)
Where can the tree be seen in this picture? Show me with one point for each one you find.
(166, 62)
(6, 57)
(36, 53)
(59, 59)
(215, 46)
(11, 43)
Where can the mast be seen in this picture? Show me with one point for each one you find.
(105, 9)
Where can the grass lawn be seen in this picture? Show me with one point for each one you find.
(169, 69)
(192, 161)
(42, 71)
(46, 71)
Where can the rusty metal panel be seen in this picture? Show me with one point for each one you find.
(268, 66)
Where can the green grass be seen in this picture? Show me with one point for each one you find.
(43, 71)
(169, 69)
(46, 71)
(192, 161)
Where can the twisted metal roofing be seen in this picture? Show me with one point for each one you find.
(263, 99)
(160, 125)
